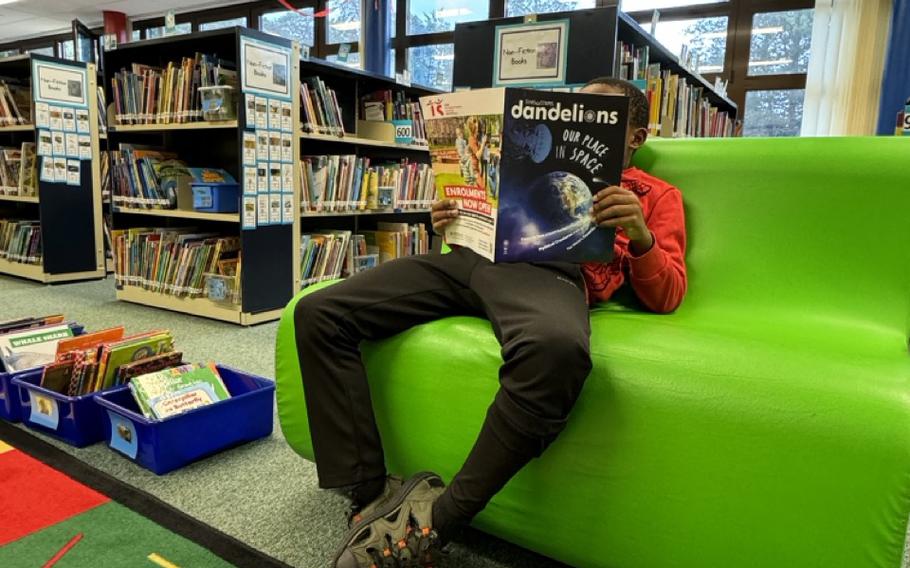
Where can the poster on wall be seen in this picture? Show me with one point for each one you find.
(531, 54)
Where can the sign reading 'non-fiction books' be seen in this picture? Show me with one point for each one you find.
(265, 68)
(59, 83)
(531, 54)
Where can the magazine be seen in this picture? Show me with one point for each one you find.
(523, 166)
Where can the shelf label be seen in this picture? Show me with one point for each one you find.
(533, 53)
(404, 131)
(124, 438)
(44, 410)
(59, 83)
(265, 68)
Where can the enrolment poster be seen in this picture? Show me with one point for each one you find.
(531, 54)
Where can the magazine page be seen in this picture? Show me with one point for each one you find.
(559, 149)
(464, 130)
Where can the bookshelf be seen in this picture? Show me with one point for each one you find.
(266, 276)
(359, 140)
(67, 208)
(592, 51)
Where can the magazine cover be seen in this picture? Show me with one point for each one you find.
(524, 166)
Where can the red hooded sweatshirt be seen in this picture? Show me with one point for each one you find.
(658, 277)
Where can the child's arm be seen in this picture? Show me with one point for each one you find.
(657, 247)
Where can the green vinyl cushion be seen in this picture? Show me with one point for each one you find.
(766, 423)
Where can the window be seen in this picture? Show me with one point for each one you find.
(430, 16)
(706, 38)
(184, 28)
(639, 5)
(774, 113)
(292, 25)
(343, 21)
(219, 24)
(137, 35)
(49, 50)
(780, 42)
(66, 50)
(522, 7)
(431, 65)
(9, 52)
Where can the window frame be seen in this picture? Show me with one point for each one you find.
(739, 42)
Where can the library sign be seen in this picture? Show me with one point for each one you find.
(531, 54)
(62, 119)
(268, 158)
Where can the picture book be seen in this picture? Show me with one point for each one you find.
(89, 340)
(27, 349)
(142, 346)
(524, 166)
(171, 391)
(148, 365)
(29, 322)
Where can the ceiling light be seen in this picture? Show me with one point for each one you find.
(342, 27)
(3, 2)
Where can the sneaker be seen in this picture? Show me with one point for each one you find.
(357, 514)
(399, 534)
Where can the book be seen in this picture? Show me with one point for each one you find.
(128, 371)
(20, 241)
(29, 322)
(321, 112)
(89, 340)
(31, 348)
(523, 167)
(113, 355)
(15, 103)
(168, 392)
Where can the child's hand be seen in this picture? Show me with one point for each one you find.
(618, 207)
(443, 213)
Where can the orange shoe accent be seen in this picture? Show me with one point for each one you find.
(402, 544)
(387, 552)
(426, 531)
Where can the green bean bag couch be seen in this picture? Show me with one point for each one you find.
(764, 424)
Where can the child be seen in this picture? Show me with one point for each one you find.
(464, 160)
(539, 313)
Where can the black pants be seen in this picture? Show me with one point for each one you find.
(539, 315)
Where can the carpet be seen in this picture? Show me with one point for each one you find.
(55, 510)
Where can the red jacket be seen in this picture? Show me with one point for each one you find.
(658, 277)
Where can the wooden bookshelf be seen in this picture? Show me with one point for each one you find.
(22, 270)
(202, 307)
(18, 128)
(266, 279)
(181, 214)
(199, 125)
(70, 214)
(19, 198)
(365, 212)
(358, 141)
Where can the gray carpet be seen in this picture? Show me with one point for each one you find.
(263, 493)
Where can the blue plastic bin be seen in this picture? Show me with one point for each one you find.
(216, 197)
(165, 445)
(10, 403)
(76, 420)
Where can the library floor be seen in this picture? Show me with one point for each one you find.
(263, 493)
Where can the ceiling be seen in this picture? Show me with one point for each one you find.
(31, 18)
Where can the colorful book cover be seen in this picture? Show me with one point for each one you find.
(33, 347)
(129, 350)
(148, 365)
(524, 167)
(179, 389)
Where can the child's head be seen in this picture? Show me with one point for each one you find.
(639, 110)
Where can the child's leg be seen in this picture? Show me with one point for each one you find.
(540, 315)
(330, 325)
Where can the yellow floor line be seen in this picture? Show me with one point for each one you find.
(4, 447)
(160, 561)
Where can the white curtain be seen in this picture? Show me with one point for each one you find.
(846, 62)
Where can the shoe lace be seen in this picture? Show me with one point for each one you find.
(418, 549)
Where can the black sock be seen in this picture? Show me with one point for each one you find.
(490, 465)
(367, 492)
